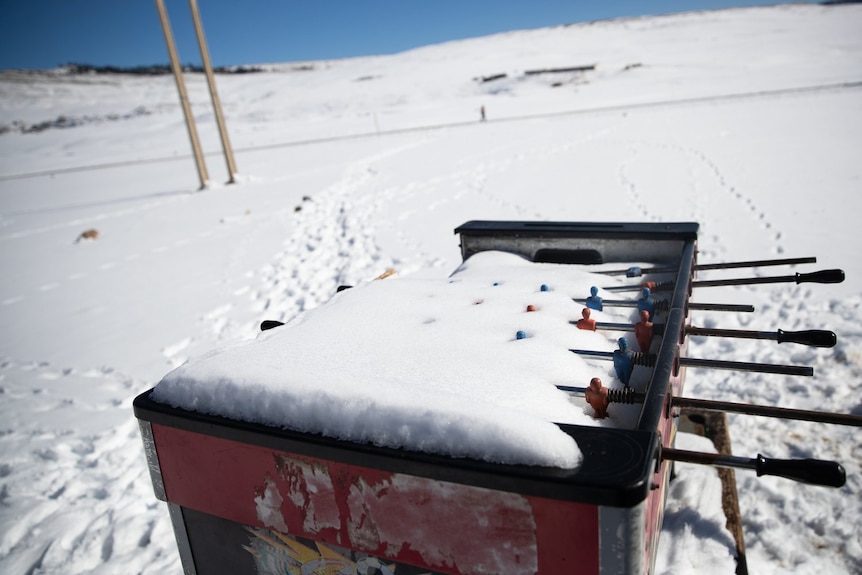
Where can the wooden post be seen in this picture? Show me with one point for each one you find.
(205, 58)
(713, 426)
(184, 98)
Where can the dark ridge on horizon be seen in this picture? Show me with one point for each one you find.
(155, 69)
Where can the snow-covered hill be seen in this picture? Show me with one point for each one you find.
(747, 121)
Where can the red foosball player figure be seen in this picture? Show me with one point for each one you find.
(644, 331)
(597, 396)
(586, 322)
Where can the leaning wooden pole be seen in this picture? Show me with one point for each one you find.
(184, 98)
(205, 58)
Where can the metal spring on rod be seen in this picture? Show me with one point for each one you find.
(625, 395)
(643, 359)
(663, 286)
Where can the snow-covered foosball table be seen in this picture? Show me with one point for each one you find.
(441, 425)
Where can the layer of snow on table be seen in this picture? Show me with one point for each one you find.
(431, 365)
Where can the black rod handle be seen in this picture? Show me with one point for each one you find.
(821, 277)
(812, 337)
(812, 471)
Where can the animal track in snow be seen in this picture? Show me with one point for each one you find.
(702, 171)
(731, 190)
(628, 184)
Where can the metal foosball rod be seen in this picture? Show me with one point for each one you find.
(636, 271)
(812, 471)
(630, 396)
(648, 360)
(663, 305)
(811, 337)
(833, 276)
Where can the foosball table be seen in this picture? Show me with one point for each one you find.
(262, 493)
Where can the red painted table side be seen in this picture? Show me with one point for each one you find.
(447, 527)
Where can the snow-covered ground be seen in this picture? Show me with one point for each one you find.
(747, 121)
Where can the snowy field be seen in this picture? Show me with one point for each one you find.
(747, 121)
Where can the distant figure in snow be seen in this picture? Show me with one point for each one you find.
(597, 396)
(482, 113)
(594, 301)
(644, 332)
(646, 303)
(586, 322)
(623, 361)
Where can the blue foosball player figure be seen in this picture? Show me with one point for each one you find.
(646, 303)
(594, 301)
(623, 361)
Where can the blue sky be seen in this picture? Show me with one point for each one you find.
(48, 33)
